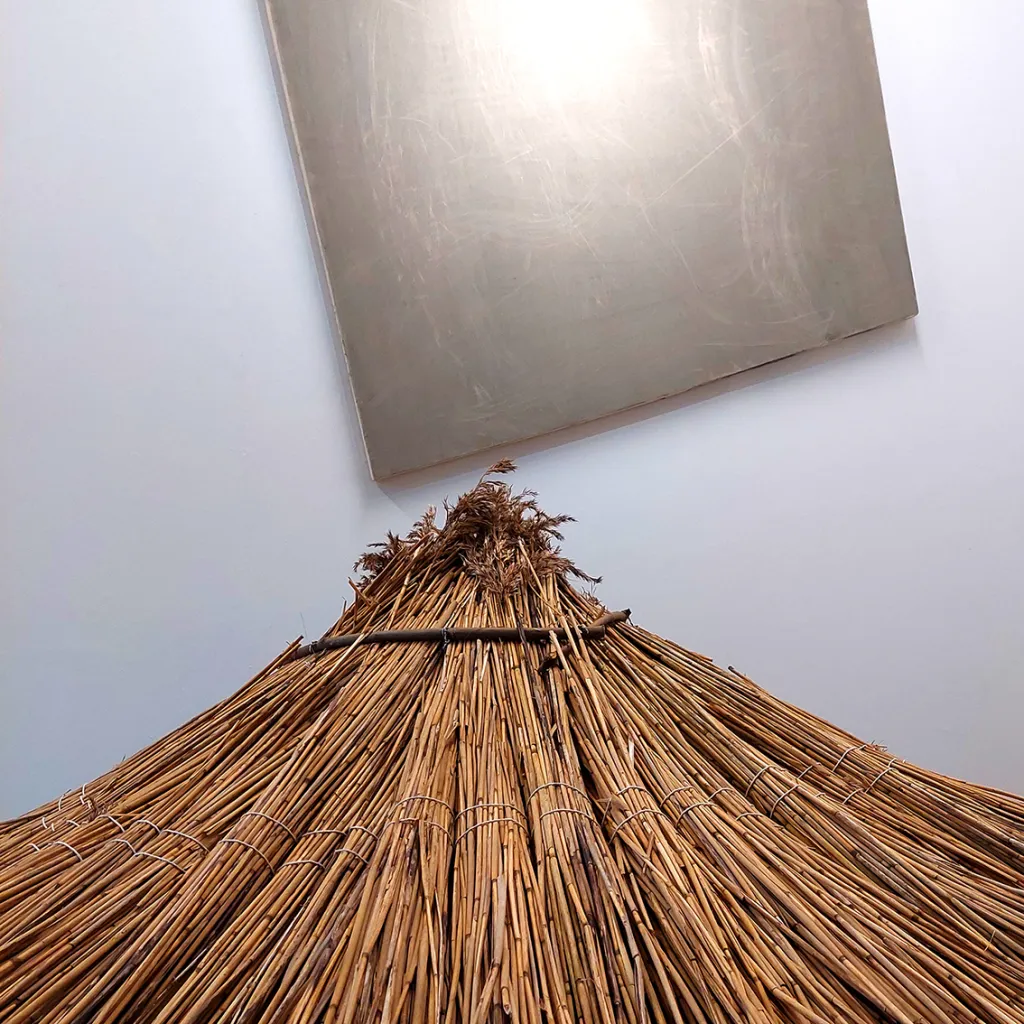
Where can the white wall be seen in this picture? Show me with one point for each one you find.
(183, 487)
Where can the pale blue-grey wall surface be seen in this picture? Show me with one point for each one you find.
(183, 482)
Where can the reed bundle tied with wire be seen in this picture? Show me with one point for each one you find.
(549, 823)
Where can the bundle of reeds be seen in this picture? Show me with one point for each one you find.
(510, 816)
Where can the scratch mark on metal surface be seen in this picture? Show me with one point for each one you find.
(729, 138)
(434, 130)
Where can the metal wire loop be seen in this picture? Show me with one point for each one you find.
(249, 846)
(275, 821)
(635, 814)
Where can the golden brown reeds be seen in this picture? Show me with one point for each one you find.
(598, 827)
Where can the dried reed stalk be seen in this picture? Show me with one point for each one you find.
(412, 832)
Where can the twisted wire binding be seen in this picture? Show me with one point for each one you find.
(166, 860)
(249, 846)
(473, 807)
(185, 835)
(792, 789)
(750, 784)
(635, 814)
(690, 807)
(60, 842)
(848, 750)
(564, 785)
(673, 792)
(275, 821)
(423, 796)
(491, 821)
(569, 810)
(416, 821)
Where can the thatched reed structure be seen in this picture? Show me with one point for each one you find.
(507, 812)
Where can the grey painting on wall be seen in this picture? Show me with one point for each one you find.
(534, 213)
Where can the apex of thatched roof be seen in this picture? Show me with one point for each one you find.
(499, 537)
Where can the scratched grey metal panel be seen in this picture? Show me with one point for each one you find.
(533, 213)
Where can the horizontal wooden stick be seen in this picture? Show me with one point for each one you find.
(594, 631)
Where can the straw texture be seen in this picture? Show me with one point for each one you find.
(460, 832)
